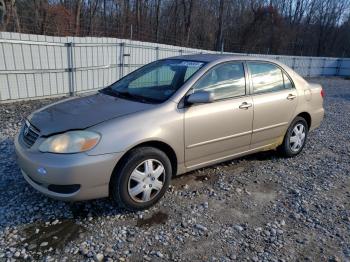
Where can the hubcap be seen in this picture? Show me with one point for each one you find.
(297, 137)
(146, 181)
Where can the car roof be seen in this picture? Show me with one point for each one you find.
(220, 57)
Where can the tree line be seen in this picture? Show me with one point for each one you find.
(291, 27)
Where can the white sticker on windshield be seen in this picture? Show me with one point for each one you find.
(191, 64)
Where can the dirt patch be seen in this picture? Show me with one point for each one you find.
(156, 219)
(263, 193)
(197, 178)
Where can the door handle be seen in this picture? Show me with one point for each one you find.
(245, 105)
(291, 97)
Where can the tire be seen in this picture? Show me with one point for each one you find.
(290, 148)
(140, 171)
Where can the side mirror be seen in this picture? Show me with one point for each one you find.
(200, 97)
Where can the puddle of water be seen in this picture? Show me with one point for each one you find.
(156, 219)
(41, 237)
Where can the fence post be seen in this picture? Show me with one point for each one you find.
(121, 58)
(309, 67)
(71, 68)
(157, 52)
(323, 66)
(293, 63)
(157, 58)
(339, 62)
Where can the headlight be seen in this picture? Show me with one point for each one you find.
(70, 142)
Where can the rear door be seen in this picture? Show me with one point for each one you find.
(275, 100)
(214, 131)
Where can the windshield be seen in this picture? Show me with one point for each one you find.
(155, 82)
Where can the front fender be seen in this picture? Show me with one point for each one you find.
(163, 124)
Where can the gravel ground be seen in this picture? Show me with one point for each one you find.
(260, 208)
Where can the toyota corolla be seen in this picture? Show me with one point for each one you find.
(167, 118)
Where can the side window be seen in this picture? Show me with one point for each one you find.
(225, 81)
(287, 83)
(266, 77)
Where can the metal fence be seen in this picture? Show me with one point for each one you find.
(34, 66)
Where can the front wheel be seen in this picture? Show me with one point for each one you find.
(295, 138)
(142, 178)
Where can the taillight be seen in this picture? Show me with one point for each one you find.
(322, 93)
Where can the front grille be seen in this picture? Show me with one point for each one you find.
(30, 134)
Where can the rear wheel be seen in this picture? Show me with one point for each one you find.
(142, 178)
(295, 138)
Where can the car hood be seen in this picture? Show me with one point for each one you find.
(82, 112)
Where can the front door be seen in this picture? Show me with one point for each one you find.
(218, 130)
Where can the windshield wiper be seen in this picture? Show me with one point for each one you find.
(107, 91)
(129, 96)
(138, 97)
